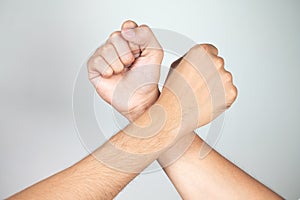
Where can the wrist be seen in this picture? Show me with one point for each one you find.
(170, 104)
(138, 110)
(152, 132)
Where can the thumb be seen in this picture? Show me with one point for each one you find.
(142, 36)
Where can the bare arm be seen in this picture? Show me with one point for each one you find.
(213, 177)
(131, 150)
(180, 171)
(110, 168)
(88, 179)
(123, 157)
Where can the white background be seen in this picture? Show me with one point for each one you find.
(44, 43)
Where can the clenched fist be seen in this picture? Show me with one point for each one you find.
(125, 70)
(197, 89)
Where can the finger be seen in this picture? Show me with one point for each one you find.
(218, 61)
(230, 89)
(122, 48)
(128, 24)
(144, 37)
(98, 66)
(211, 49)
(110, 55)
(134, 47)
(231, 94)
(226, 76)
(221, 79)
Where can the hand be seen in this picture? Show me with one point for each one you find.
(198, 88)
(125, 70)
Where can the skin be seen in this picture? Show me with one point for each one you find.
(110, 63)
(91, 179)
(238, 184)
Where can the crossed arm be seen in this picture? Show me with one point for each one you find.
(111, 167)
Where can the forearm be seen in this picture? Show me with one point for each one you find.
(111, 167)
(213, 177)
(86, 179)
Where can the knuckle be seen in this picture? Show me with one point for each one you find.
(198, 47)
(106, 48)
(89, 64)
(204, 46)
(231, 96)
(196, 50)
(94, 61)
(115, 34)
(99, 50)
(209, 48)
(233, 93)
(128, 21)
(220, 62)
(145, 27)
(228, 76)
